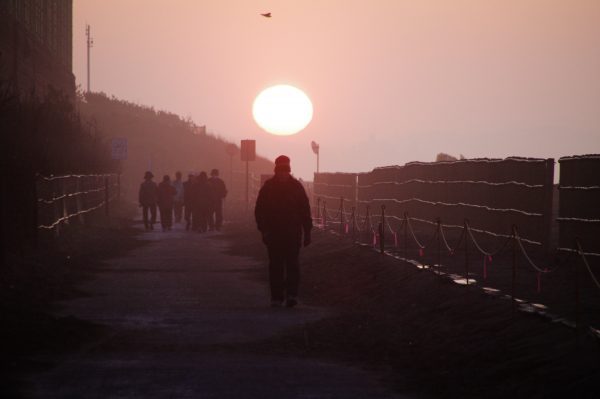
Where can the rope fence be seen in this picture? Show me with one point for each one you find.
(65, 197)
(374, 226)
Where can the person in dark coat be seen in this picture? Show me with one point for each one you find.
(283, 217)
(178, 200)
(166, 196)
(147, 198)
(187, 201)
(218, 193)
(201, 202)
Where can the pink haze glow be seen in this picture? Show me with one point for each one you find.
(390, 81)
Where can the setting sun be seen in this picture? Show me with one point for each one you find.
(282, 110)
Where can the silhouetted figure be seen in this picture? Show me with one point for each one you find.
(218, 192)
(266, 15)
(188, 201)
(178, 200)
(147, 198)
(166, 194)
(282, 216)
(201, 198)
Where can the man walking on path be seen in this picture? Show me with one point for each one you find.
(283, 217)
(147, 199)
(218, 192)
(188, 200)
(178, 200)
(201, 203)
(166, 193)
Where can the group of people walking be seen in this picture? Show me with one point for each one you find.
(199, 201)
(282, 214)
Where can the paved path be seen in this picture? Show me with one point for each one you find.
(169, 305)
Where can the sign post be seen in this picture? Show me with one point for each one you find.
(315, 148)
(248, 153)
(119, 152)
(119, 148)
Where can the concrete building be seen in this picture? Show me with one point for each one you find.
(36, 45)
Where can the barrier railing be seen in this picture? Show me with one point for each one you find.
(372, 229)
(65, 197)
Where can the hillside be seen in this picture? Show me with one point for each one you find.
(163, 142)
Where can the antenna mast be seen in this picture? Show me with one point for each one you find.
(90, 44)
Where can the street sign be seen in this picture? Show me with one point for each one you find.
(119, 148)
(248, 150)
(315, 147)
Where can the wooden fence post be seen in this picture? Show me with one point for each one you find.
(353, 223)
(466, 252)
(35, 216)
(382, 231)
(106, 195)
(56, 191)
(547, 242)
(341, 215)
(514, 271)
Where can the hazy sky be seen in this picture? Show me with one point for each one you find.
(390, 81)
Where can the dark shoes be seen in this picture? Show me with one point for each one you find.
(276, 304)
(291, 302)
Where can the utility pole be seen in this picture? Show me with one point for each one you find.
(90, 44)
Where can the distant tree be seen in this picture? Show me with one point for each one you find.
(442, 156)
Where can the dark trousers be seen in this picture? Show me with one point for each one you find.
(166, 216)
(215, 218)
(178, 209)
(187, 215)
(200, 219)
(284, 268)
(152, 209)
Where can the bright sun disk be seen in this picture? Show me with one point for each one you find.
(282, 110)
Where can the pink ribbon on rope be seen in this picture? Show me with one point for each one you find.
(346, 228)
(374, 239)
(421, 252)
(395, 238)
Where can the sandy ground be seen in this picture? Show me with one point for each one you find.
(181, 318)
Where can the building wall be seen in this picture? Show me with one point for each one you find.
(36, 45)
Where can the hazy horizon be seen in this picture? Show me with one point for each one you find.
(390, 81)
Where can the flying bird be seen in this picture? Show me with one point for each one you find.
(266, 15)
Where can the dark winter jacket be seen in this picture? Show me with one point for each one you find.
(148, 193)
(217, 189)
(201, 196)
(282, 208)
(187, 193)
(166, 194)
